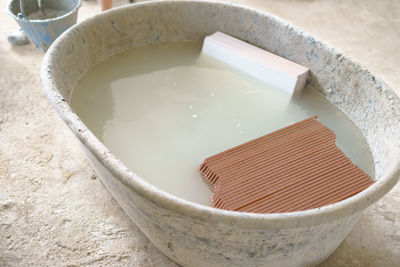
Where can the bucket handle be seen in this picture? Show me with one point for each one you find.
(21, 14)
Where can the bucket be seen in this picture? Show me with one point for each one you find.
(44, 30)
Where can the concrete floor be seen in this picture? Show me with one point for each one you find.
(53, 210)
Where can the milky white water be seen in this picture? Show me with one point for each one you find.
(162, 110)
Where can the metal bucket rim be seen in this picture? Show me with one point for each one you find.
(75, 9)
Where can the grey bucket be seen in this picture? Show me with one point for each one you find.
(42, 33)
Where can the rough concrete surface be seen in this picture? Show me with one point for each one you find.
(53, 210)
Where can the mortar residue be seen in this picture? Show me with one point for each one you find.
(46, 13)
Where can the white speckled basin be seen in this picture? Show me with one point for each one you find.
(196, 235)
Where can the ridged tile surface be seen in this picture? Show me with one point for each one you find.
(295, 168)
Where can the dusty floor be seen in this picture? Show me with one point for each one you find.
(53, 210)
